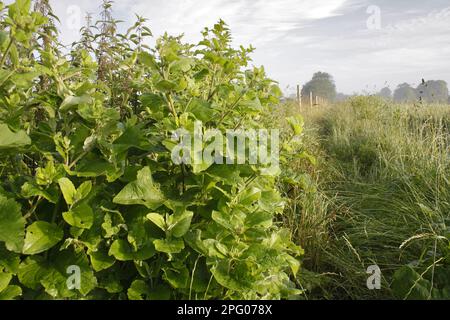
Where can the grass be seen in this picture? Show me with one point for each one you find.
(379, 195)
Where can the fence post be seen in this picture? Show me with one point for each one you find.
(299, 97)
(311, 99)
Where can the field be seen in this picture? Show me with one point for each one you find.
(378, 195)
(130, 172)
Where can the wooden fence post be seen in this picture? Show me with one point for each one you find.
(311, 99)
(299, 97)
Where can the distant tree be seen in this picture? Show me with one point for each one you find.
(405, 93)
(433, 91)
(322, 85)
(385, 93)
(341, 97)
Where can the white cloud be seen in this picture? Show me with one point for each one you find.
(295, 38)
(252, 21)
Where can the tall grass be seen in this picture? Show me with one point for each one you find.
(383, 195)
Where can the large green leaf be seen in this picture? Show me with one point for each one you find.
(139, 290)
(62, 263)
(202, 110)
(101, 260)
(122, 251)
(12, 224)
(81, 216)
(72, 101)
(180, 223)
(9, 139)
(169, 246)
(142, 192)
(10, 293)
(41, 236)
(158, 220)
(31, 271)
(68, 190)
(5, 279)
(9, 261)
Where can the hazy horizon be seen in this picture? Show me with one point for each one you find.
(365, 45)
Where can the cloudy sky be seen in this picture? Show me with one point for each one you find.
(364, 44)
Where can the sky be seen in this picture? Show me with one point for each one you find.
(365, 44)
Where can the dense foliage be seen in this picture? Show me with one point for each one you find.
(87, 180)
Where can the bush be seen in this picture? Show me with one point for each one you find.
(88, 185)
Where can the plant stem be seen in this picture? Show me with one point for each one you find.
(6, 52)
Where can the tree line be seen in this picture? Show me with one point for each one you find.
(323, 85)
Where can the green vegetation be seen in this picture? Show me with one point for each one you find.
(431, 92)
(380, 196)
(87, 180)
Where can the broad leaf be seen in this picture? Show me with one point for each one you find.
(81, 216)
(142, 191)
(12, 224)
(169, 246)
(68, 190)
(9, 139)
(40, 237)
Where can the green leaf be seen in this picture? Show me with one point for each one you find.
(83, 190)
(3, 34)
(296, 124)
(72, 101)
(68, 190)
(408, 284)
(181, 224)
(30, 190)
(81, 216)
(226, 278)
(101, 261)
(141, 192)
(152, 101)
(249, 196)
(69, 258)
(31, 271)
(223, 219)
(183, 65)
(9, 261)
(178, 278)
(12, 224)
(166, 85)
(10, 293)
(139, 290)
(9, 139)
(169, 246)
(122, 251)
(148, 60)
(40, 237)
(5, 279)
(201, 109)
(158, 220)
(259, 219)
